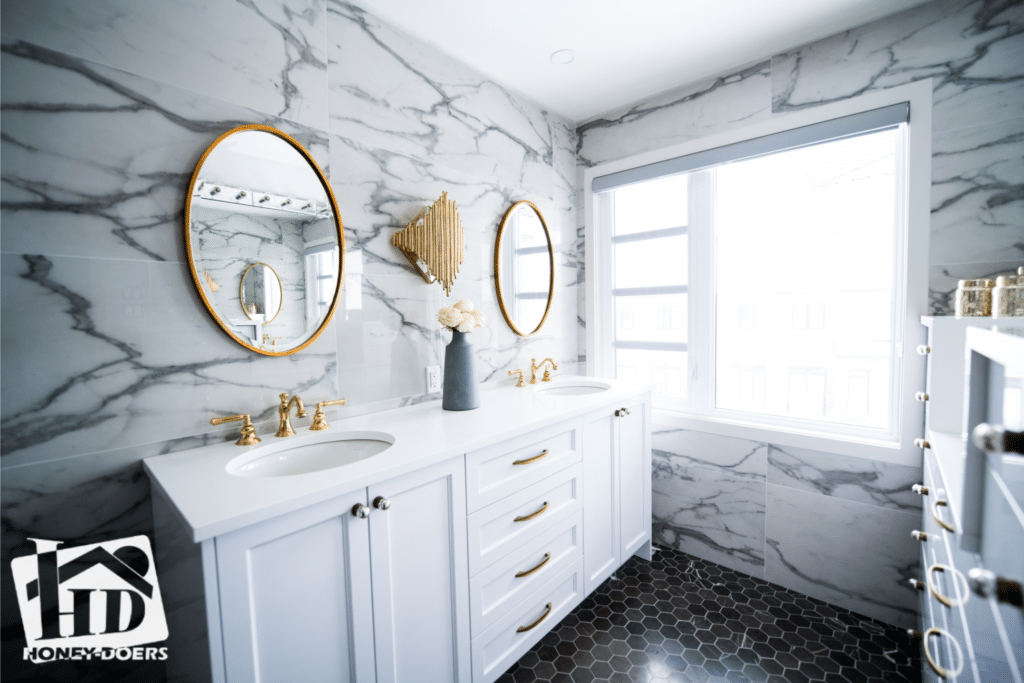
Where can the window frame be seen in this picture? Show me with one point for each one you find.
(908, 415)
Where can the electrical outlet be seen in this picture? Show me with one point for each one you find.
(433, 379)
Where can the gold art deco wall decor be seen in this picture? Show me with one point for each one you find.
(435, 238)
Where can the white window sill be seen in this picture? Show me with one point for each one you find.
(872, 449)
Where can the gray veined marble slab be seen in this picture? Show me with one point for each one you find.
(685, 448)
(687, 113)
(846, 553)
(270, 56)
(390, 90)
(866, 481)
(96, 161)
(112, 353)
(978, 192)
(969, 48)
(714, 516)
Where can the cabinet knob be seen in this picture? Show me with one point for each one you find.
(622, 412)
(918, 585)
(921, 396)
(919, 489)
(921, 443)
(361, 511)
(919, 535)
(924, 350)
(986, 584)
(995, 439)
(381, 503)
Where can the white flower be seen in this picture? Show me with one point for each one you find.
(479, 317)
(449, 316)
(467, 324)
(465, 305)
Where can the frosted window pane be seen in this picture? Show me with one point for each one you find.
(653, 205)
(651, 263)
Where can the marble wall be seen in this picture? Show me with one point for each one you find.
(108, 356)
(836, 527)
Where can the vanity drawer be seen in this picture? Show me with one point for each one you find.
(503, 644)
(500, 470)
(495, 532)
(500, 588)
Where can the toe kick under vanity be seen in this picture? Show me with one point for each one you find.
(443, 558)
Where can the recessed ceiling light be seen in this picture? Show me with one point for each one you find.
(563, 57)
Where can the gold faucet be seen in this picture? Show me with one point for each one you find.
(534, 367)
(520, 383)
(319, 419)
(284, 410)
(248, 437)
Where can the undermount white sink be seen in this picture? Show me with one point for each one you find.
(575, 386)
(311, 453)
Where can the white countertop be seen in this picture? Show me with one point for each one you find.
(212, 502)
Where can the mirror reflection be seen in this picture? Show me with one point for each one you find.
(261, 218)
(524, 265)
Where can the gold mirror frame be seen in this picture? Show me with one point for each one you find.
(280, 290)
(337, 225)
(497, 268)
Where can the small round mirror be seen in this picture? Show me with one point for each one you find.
(524, 268)
(260, 293)
(260, 216)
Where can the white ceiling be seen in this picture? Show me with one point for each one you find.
(626, 50)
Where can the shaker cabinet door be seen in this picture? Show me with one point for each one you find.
(420, 577)
(634, 479)
(295, 597)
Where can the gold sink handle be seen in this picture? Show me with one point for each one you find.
(521, 382)
(319, 420)
(248, 437)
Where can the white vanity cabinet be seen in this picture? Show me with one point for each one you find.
(322, 594)
(617, 498)
(500, 524)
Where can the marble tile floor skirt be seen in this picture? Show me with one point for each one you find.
(681, 619)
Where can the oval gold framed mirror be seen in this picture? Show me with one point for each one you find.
(524, 268)
(260, 213)
(260, 293)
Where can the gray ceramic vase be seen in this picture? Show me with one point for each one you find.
(460, 390)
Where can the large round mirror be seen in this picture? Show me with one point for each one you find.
(264, 240)
(524, 268)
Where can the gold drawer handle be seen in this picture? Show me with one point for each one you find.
(957, 577)
(938, 517)
(939, 671)
(547, 556)
(533, 459)
(524, 629)
(532, 514)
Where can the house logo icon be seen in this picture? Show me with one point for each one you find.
(93, 601)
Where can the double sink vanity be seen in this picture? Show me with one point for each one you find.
(415, 544)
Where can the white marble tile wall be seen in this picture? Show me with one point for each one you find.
(774, 512)
(108, 356)
(971, 49)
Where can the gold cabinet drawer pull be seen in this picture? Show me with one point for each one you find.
(532, 514)
(524, 629)
(940, 671)
(547, 556)
(533, 459)
(957, 577)
(938, 516)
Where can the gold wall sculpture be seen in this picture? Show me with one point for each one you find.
(435, 237)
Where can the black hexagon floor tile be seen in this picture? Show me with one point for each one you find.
(682, 619)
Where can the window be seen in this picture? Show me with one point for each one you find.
(766, 278)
